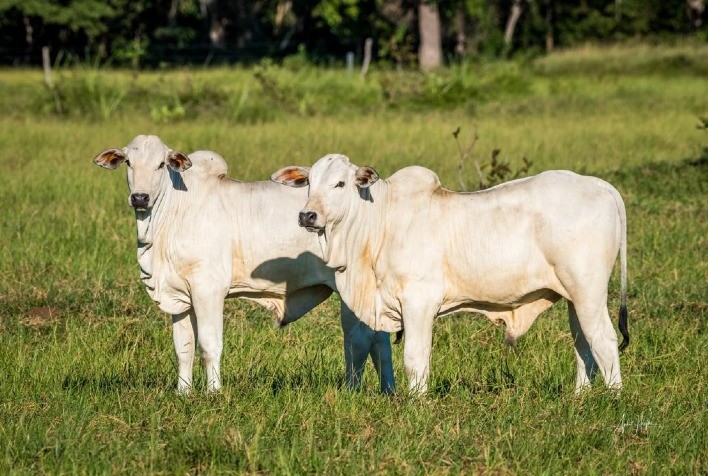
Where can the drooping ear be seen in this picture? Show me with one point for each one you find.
(292, 176)
(178, 161)
(110, 159)
(366, 177)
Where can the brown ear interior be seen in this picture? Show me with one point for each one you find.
(366, 176)
(292, 176)
(110, 159)
(178, 161)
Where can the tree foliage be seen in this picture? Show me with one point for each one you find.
(174, 31)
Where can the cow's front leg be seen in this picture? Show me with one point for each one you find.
(418, 345)
(383, 362)
(359, 342)
(184, 329)
(356, 347)
(208, 303)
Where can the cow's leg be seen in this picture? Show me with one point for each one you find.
(356, 347)
(418, 345)
(383, 362)
(184, 329)
(587, 368)
(359, 341)
(601, 338)
(209, 308)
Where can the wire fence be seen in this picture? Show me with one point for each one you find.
(195, 54)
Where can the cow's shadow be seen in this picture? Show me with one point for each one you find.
(308, 282)
(177, 181)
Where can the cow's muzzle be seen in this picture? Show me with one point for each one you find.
(307, 219)
(139, 201)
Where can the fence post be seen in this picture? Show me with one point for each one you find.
(47, 65)
(350, 62)
(367, 56)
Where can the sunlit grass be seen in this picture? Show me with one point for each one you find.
(87, 375)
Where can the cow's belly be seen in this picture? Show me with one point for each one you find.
(502, 287)
(289, 287)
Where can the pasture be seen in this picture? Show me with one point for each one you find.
(87, 372)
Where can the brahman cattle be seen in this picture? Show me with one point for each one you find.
(406, 250)
(203, 237)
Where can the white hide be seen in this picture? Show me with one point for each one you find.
(407, 250)
(205, 237)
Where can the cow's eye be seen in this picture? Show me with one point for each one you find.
(162, 164)
(340, 184)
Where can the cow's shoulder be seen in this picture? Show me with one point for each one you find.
(414, 180)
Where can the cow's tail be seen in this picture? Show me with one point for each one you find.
(623, 327)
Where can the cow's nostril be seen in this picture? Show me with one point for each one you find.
(307, 218)
(139, 200)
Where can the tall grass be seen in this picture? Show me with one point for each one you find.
(87, 375)
(269, 91)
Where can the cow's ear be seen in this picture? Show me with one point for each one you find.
(366, 177)
(292, 176)
(110, 159)
(178, 161)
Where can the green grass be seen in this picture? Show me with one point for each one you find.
(87, 373)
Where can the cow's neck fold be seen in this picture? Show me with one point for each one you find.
(147, 225)
(352, 247)
(361, 226)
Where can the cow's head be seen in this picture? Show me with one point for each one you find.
(334, 183)
(149, 162)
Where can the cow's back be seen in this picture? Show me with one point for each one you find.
(498, 244)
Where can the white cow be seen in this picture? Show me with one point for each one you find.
(203, 237)
(406, 250)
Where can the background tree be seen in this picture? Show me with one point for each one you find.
(430, 49)
(405, 32)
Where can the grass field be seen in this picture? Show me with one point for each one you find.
(87, 372)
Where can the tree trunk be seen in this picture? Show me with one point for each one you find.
(172, 13)
(282, 11)
(430, 51)
(460, 34)
(549, 27)
(511, 23)
(29, 39)
(217, 32)
(137, 40)
(694, 10)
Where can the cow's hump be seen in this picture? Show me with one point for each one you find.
(415, 179)
(208, 163)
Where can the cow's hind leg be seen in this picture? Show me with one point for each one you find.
(587, 368)
(600, 338)
(184, 329)
(209, 308)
